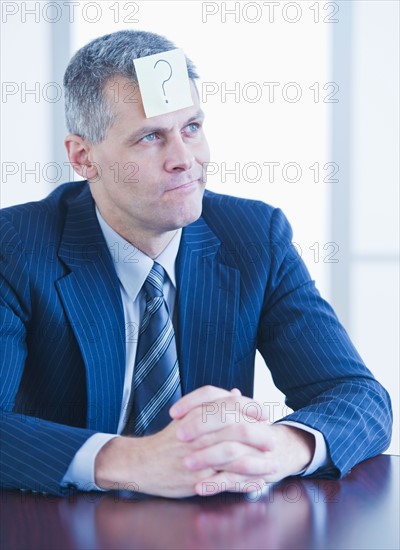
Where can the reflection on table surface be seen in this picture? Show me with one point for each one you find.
(361, 511)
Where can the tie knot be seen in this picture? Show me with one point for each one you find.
(153, 285)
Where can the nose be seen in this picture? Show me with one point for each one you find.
(179, 156)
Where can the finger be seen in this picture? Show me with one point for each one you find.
(195, 399)
(254, 434)
(216, 415)
(234, 458)
(252, 465)
(217, 456)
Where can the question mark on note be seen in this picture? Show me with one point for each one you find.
(166, 80)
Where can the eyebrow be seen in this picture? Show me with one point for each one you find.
(145, 130)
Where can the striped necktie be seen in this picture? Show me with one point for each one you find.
(156, 381)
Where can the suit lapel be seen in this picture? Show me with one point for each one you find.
(207, 307)
(91, 298)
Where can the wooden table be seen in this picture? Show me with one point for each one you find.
(361, 511)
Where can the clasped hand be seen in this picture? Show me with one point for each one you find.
(217, 441)
(233, 441)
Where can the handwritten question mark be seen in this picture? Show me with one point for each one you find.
(166, 80)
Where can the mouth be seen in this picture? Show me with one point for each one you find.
(185, 186)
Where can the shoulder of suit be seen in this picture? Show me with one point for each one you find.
(223, 201)
(49, 211)
(236, 213)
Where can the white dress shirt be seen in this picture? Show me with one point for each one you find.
(132, 267)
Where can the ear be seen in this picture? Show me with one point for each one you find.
(79, 155)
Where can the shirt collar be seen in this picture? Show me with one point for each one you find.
(131, 264)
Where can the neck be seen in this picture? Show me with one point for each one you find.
(151, 246)
(148, 242)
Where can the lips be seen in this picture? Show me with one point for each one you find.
(185, 185)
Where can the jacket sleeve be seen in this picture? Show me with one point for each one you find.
(34, 453)
(314, 363)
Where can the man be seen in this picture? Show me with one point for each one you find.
(120, 371)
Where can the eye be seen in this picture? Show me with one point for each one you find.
(193, 127)
(149, 138)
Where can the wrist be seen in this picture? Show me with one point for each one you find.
(117, 462)
(299, 444)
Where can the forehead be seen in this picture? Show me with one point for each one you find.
(126, 103)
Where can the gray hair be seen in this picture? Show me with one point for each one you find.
(88, 113)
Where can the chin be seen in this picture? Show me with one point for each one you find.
(187, 213)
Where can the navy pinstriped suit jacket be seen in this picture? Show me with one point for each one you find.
(240, 286)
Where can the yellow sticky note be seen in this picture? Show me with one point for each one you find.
(163, 82)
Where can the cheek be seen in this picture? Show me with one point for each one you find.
(105, 163)
(119, 175)
(114, 164)
(203, 152)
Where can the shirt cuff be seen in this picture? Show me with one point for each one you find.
(321, 458)
(80, 472)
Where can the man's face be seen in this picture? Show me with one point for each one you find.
(150, 169)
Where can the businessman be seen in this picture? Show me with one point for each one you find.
(132, 312)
